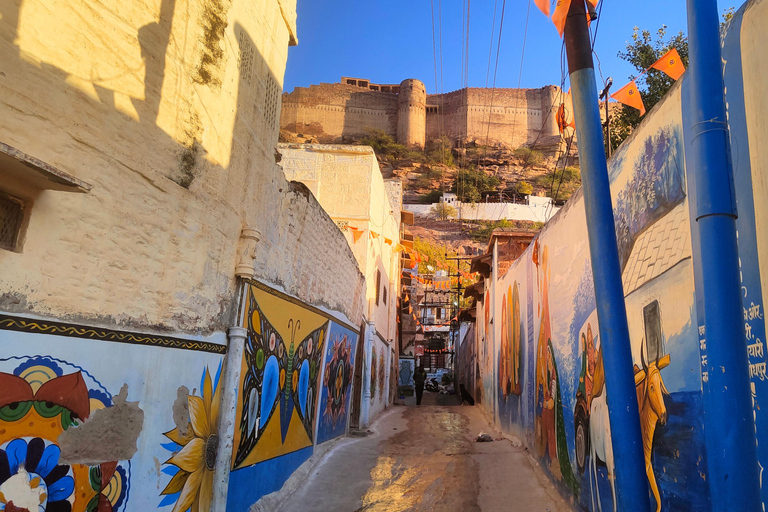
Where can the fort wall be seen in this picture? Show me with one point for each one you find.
(342, 112)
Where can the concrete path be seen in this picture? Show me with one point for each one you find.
(426, 459)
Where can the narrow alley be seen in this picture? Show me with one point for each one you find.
(425, 458)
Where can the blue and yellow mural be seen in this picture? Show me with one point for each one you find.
(545, 345)
(281, 381)
(337, 383)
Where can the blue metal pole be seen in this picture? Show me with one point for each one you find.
(729, 429)
(631, 481)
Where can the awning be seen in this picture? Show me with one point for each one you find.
(482, 264)
(436, 328)
(475, 291)
(30, 171)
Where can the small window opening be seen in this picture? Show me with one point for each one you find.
(11, 215)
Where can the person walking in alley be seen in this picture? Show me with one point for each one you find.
(419, 378)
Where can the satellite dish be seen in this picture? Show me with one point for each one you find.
(430, 268)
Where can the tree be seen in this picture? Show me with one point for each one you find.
(524, 188)
(443, 211)
(643, 51)
(470, 184)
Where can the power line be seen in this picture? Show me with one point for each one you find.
(495, 71)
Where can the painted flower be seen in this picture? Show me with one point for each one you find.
(37, 403)
(32, 479)
(195, 461)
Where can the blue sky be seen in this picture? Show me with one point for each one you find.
(388, 41)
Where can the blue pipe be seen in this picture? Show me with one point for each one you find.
(631, 481)
(729, 429)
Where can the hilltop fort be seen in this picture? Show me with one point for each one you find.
(345, 111)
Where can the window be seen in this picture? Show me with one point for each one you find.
(439, 312)
(11, 215)
(271, 101)
(384, 297)
(378, 285)
(352, 82)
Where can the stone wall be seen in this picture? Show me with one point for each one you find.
(169, 113)
(338, 112)
(341, 112)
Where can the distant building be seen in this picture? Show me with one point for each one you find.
(347, 110)
(534, 209)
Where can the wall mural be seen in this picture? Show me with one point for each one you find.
(40, 398)
(510, 377)
(407, 368)
(382, 369)
(337, 383)
(549, 374)
(279, 381)
(374, 373)
(193, 450)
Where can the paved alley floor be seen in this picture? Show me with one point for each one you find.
(426, 459)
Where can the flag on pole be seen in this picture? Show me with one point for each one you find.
(543, 6)
(630, 95)
(561, 121)
(560, 15)
(671, 64)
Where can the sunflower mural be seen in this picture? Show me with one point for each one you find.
(39, 400)
(194, 451)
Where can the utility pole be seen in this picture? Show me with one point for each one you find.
(631, 481)
(604, 94)
(729, 428)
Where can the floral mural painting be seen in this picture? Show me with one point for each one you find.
(39, 400)
(194, 451)
(337, 382)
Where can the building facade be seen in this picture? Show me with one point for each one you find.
(348, 183)
(146, 293)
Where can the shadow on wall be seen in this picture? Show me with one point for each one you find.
(235, 190)
(365, 111)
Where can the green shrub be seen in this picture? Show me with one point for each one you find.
(529, 156)
(438, 151)
(524, 188)
(432, 196)
(469, 184)
(443, 211)
(560, 184)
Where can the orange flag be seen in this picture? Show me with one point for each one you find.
(387, 241)
(374, 234)
(543, 6)
(561, 122)
(560, 15)
(670, 64)
(629, 95)
(356, 234)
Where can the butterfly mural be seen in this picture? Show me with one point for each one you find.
(280, 381)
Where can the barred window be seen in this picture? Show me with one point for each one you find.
(378, 285)
(11, 215)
